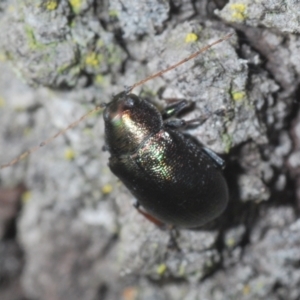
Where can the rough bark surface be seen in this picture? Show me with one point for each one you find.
(67, 226)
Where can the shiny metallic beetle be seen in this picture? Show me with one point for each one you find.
(177, 181)
(173, 178)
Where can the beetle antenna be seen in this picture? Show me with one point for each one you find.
(50, 139)
(193, 55)
(99, 107)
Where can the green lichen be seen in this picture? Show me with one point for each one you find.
(227, 141)
(72, 24)
(113, 13)
(100, 43)
(51, 5)
(112, 53)
(32, 42)
(230, 242)
(99, 79)
(161, 269)
(61, 69)
(76, 5)
(73, 68)
(181, 271)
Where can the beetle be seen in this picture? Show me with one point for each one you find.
(177, 181)
(171, 176)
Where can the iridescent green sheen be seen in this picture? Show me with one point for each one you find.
(170, 175)
(154, 156)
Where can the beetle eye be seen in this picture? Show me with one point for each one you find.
(128, 103)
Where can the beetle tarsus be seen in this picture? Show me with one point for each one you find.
(175, 123)
(173, 243)
(218, 161)
(177, 108)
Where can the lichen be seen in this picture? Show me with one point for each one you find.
(69, 154)
(113, 13)
(75, 4)
(93, 59)
(191, 37)
(161, 269)
(32, 42)
(107, 189)
(238, 95)
(227, 142)
(238, 11)
(51, 4)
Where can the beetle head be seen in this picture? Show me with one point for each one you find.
(129, 120)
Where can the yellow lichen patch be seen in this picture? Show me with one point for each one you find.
(76, 4)
(161, 269)
(2, 102)
(107, 189)
(238, 95)
(51, 4)
(26, 197)
(238, 11)
(113, 13)
(246, 290)
(93, 59)
(191, 37)
(69, 154)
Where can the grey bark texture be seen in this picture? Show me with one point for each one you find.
(67, 226)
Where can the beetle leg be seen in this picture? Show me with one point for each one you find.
(180, 123)
(174, 234)
(175, 123)
(176, 108)
(149, 217)
(219, 162)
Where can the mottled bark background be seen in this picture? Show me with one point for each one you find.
(67, 226)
